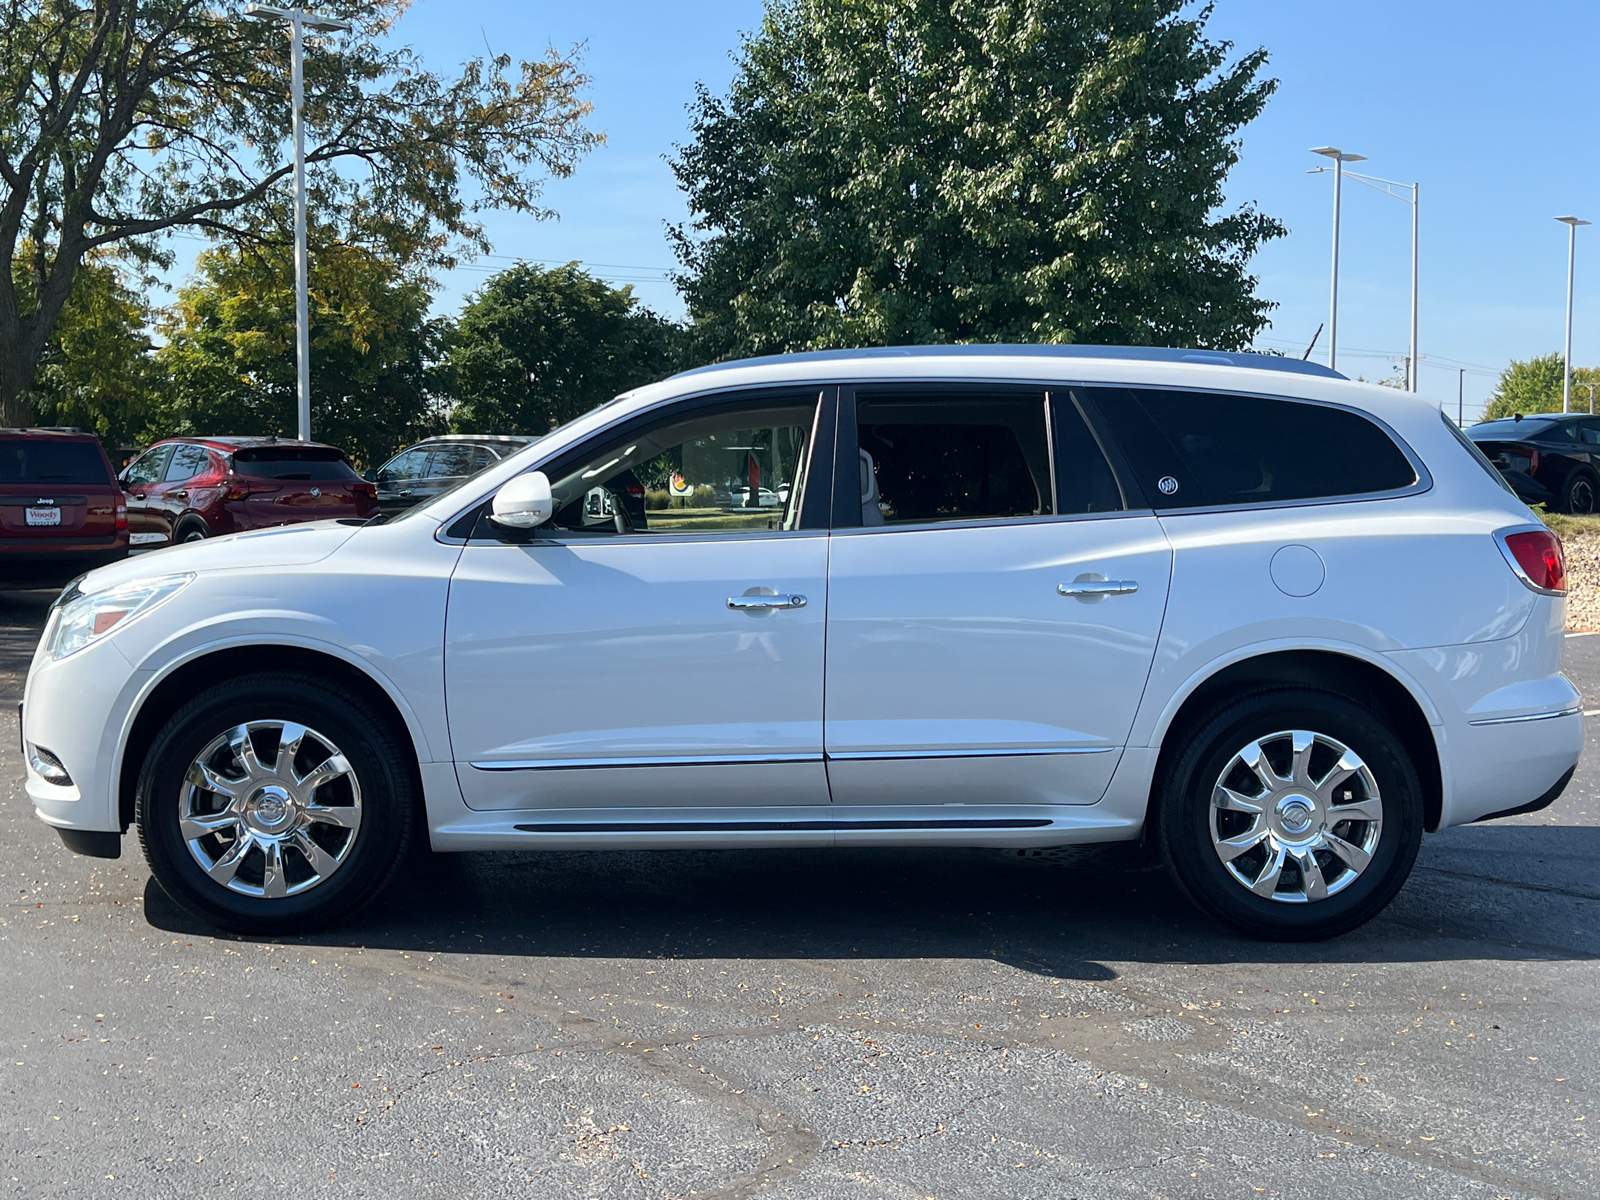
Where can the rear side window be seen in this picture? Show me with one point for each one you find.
(188, 460)
(292, 462)
(1206, 449)
(453, 459)
(944, 457)
(42, 460)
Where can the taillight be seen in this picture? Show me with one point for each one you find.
(122, 515)
(1533, 462)
(634, 489)
(363, 488)
(1536, 556)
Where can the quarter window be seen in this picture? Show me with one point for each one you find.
(1206, 449)
(940, 457)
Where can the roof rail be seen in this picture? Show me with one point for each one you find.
(1221, 358)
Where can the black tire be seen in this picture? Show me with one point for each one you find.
(1580, 495)
(1184, 816)
(192, 530)
(379, 782)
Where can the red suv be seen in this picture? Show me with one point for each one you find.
(186, 489)
(61, 512)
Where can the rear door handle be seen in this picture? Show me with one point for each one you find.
(181, 495)
(746, 603)
(1098, 587)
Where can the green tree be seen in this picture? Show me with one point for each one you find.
(96, 370)
(535, 348)
(1534, 385)
(905, 171)
(228, 364)
(124, 119)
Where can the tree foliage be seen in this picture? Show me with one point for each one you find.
(121, 119)
(905, 171)
(96, 370)
(1534, 385)
(535, 348)
(228, 364)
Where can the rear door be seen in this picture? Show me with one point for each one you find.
(993, 603)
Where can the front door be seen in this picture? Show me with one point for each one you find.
(143, 477)
(664, 656)
(993, 617)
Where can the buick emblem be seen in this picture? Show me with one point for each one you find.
(1167, 484)
(315, 492)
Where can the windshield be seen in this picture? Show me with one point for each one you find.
(1508, 427)
(42, 460)
(293, 462)
(408, 513)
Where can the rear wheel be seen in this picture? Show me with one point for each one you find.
(274, 803)
(1581, 493)
(1291, 814)
(192, 530)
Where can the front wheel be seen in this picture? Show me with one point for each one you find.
(274, 803)
(1291, 814)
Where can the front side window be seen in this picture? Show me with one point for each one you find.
(1208, 449)
(952, 457)
(149, 466)
(408, 464)
(735, 469)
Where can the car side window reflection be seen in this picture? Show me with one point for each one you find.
(148, 467)
(188, 460)
(737, 470)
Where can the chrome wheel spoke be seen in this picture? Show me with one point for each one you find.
(1300, 765)
(344, 816)
(245, 751)
(1229, 800)
(194, 828)
(1267, 882)
(1312, 883)
(331, 768)
(1342, 770)
(1252, 757)
(1229, 849)
(274, 883)
(1354, 856)
(226, 867)
(288, 747)
(1361, 810)
(202, 776)
(323, 863)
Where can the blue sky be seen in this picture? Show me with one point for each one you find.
(1489, 106)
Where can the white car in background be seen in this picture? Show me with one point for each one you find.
(1274, 623)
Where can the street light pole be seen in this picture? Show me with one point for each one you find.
(1416, 357)
(299, 20)
(1572, 224)
(1339, 159)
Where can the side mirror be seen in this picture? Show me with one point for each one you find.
(370, 474)
(524, 502)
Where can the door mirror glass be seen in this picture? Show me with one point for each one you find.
(524, 502)
(370, 475)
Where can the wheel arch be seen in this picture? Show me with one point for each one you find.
(1357, 679)
(170, 691)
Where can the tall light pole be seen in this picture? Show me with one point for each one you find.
(1390, 187)
(299, 20)
(1572, 224)
(1339, 159)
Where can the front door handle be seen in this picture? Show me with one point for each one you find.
(761, 603)
(180, 495)
(1098, 587)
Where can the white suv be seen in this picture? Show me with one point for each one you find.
(1273, 623)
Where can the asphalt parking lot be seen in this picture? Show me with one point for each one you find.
(815, 1024)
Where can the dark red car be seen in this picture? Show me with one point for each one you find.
(61, 512)
(186, 489)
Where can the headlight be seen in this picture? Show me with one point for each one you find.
(84, 619)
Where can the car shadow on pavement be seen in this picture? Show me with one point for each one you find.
(1486, 892)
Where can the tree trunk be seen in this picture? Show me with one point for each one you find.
(17, 366)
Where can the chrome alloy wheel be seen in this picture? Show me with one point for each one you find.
(1296, 816)
(270, 809)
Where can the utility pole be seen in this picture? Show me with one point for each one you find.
(1572, 224)
(1416, 359)
(1461, 393)
(299, 20)
(1339, 159)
